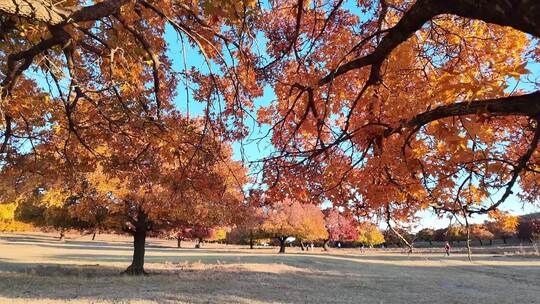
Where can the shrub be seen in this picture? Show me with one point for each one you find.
(14, 226)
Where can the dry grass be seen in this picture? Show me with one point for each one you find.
(38, 268)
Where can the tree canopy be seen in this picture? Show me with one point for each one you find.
(289, 218)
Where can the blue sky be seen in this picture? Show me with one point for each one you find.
(252, 149)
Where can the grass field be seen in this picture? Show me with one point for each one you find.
(38, 268)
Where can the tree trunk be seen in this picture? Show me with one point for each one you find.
(325, 245)
(481, 244)
(94, 235)
(137, 265)
(178, 242)
(282, 244)
(430, 243)
(504, 240)
(141, 225)
(468, 230)
(62, 235)
(251, 240)
(199, 243)
(302, 246)
(490, 242)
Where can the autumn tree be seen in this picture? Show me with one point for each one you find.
(94, 214)
(290, 218)
(503, 225)
(204, 197)
(370, 235)
(339, 227)
(455, 233)
(426, 235)
(480, 232)
(165, 181)
(8, 223)
(199, 234)
(180, 234)
(529, 229)
(101, 116)
(250, 226)
(49, 208)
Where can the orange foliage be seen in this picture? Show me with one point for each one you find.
(289, 218)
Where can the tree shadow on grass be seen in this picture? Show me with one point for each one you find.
(15, 238)
(90, 282)
(312, 278)
(293, 260)
(70, 244)
(333, 282)
(308, 280)
(432, 257)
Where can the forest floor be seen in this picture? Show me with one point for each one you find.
(37, 268)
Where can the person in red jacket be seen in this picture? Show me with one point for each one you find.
(447, 248)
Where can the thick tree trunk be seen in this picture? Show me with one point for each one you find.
(178, 242)
(430, 243)
(251, 240)
(282, 244)
(62, 237)
(302, 246)
(137, 265)
(141, 225)
(325, 245)
(94, 235)
(490, 242)
(504, 240)
(481, 244)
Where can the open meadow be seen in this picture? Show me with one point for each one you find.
(37, 268)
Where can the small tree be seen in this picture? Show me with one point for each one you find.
(455, 233)
(480, 232)
(440, 235)
(250, 226)
(426, 235)
(49, 209)
(369, 234)
(292, 219)
(179, 235)
(339, 227)
(90, 209)
(503, 226)
(528, 229)
(7, 211)
(8, 223)
(220, 234)
(200, 234)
